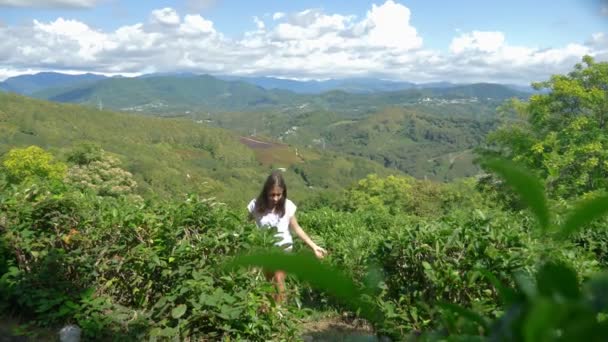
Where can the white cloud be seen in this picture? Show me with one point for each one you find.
(477, 40)
(599, 45)
(309, 44)
(310, 24)
(487, 56)
(196, 25)
(51, 3)
(166, 16)
(259, 23)
(598, 36)
(89, 40)
(6, 72)
(389, 25)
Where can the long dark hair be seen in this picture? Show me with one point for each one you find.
(261, 203)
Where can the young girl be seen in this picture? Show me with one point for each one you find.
(272, 208)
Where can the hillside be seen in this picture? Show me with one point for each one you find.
(422, 145)
(432, 140)
(170, 157)
(448, 122)
(168, 94)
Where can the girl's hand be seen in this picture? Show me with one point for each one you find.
(319, 251)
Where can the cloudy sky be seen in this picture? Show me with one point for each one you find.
(515, 41)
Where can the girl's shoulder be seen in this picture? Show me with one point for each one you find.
(290, 207)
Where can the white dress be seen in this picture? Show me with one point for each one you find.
(273, 220)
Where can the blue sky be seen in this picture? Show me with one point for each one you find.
(533, 23)
(537, 26)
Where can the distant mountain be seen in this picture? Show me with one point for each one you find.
(53, 82)
(523, 88)
(175, 74)
(158, 94)
(29, 84)
(182, 94)
(479, 90)
(436, 85)
(351, 85)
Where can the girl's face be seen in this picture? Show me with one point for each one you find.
(274, 195)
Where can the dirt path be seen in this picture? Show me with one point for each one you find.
(336, 329)
(451, 155)
(318, 330)
(253, 143)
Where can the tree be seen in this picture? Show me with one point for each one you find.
(23, 164)
(99, 171)
(85, 153)
(396, 194)
(561, 133)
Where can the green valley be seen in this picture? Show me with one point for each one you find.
(133, 227)
(170, 156)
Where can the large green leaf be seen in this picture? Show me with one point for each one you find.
(524, 183)
(179, 311)
(542, 321)
(319, 275)
(557, 280)
(583, 214)
(596, 289)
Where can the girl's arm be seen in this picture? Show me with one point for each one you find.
(295, 227)
(250, 210)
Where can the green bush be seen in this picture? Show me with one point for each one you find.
(133, 269)
(21, 164)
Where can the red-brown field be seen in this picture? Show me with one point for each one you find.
(271, 153)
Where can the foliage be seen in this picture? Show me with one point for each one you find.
(100, 172)
(422, 140)
(561, 133)
(425, 260)
(407, 195)
(462, 269)
(85, 153)
(307, 268)
(32, 162)
(168, 157)
(552, 307)
(122, 268)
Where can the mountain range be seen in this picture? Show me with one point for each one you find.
(29, 84)
(425, 131)
(180, 94)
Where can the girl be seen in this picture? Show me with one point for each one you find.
(272, 208)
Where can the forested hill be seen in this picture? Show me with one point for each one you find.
(434, 141)
(28, 84)
(176, 156)
(183, 95)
